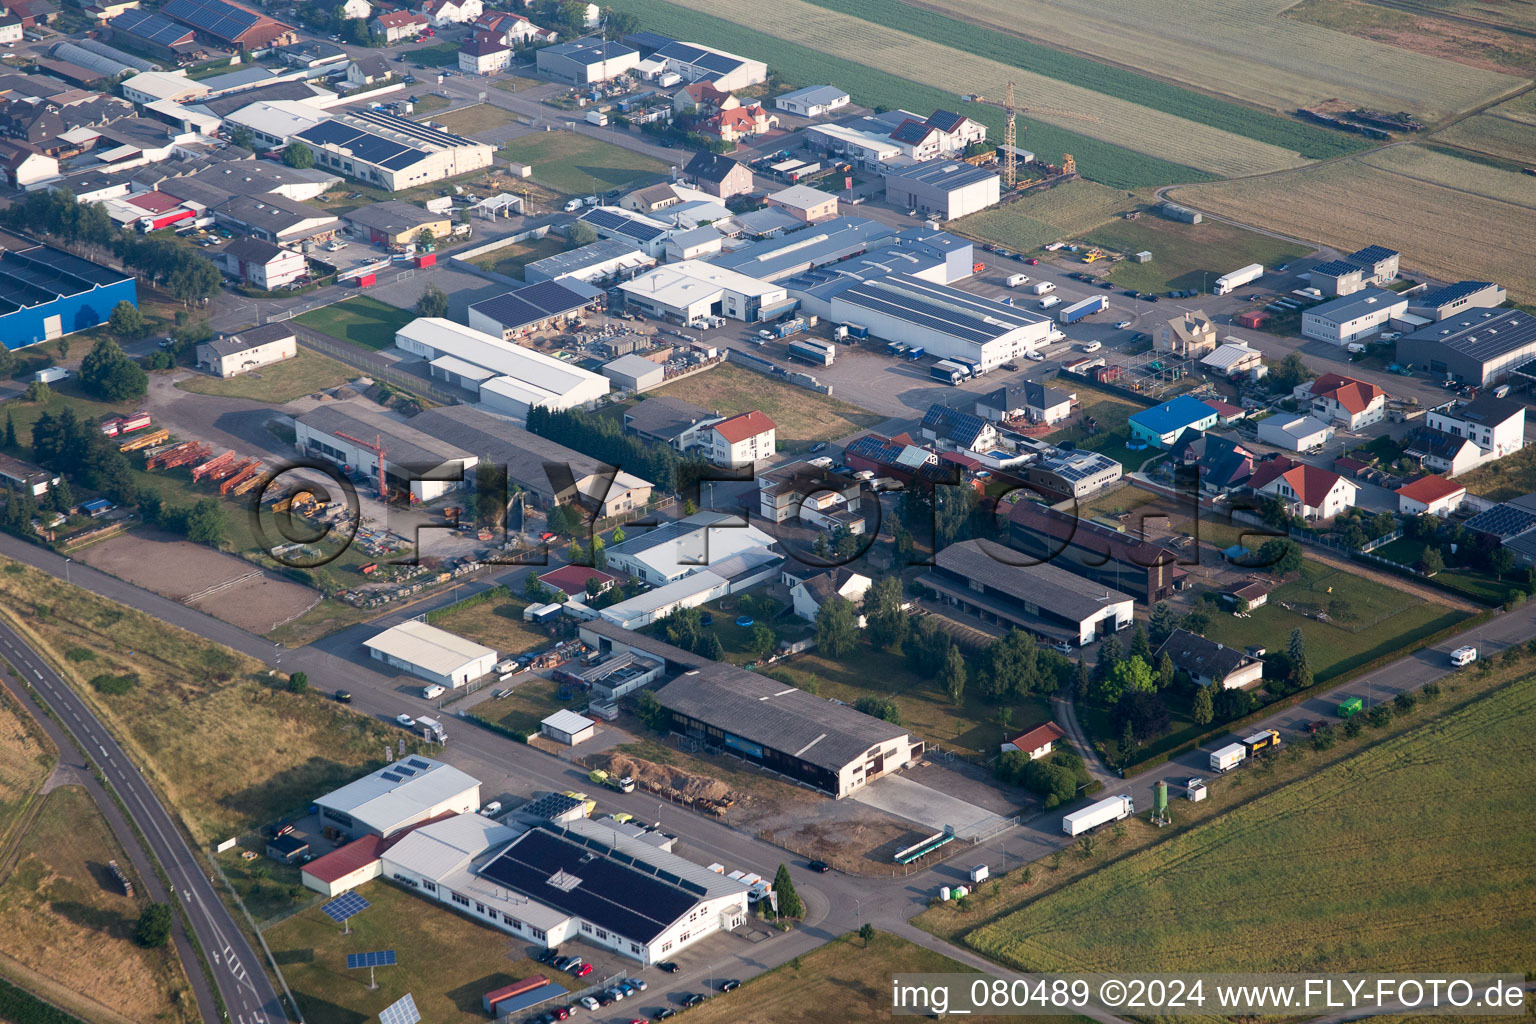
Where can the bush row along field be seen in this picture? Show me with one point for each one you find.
(1311, 141)
(1413, 855)
(1438, 168)
(1244, 49)
(958, 72)
(196, 708)
(1347, 204)
(1505, 137)
(799, 65)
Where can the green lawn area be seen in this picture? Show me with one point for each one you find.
(438, 55)
(1045, 217)
(511, 259)
(497, 624)
(1185, 255)
(1507, 478)
(428, 104)
(575, 164)
(802, 417)
(279, 383)
(446, 961)
(1414, 852)
(531, 701)
(517, 83)
(362, 320)
(1478, 584)
(1112, 433)
(971, 728)
(478, 118)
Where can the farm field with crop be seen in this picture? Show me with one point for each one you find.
(1065, 104)
(1185, 255)
(1491, 48)
(1048, 216)
(1398, 856)
(1244, 49)
(1496, 135)
(1347, 204)
(1438, 168)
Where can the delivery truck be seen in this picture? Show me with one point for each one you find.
(948, 372)
(1349, 706)
(1115, 808)
(1015, 280)
(598, 118)
(1264, 739)
(622, 783)
(432, 729)
(1228, 282)
(1043, 288)
(1078, 310)
(1228, 757)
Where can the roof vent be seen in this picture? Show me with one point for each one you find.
(564, 880)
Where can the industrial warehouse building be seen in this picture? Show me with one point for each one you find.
(435, 655)
(689, 291)
(1352, 317)
(942, 188)
(1119, 561)
(683, 546)
(392, 152)
(412, 460)
(535, 307)
(229, 25)
(396, 223)
(1478, 346)
(604, 259)
(694, 62)
(999, 585)
(507, 378)
(46, 293)
(587, 60)
(408, 792)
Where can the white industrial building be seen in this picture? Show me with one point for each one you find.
(692, 290)
(392, 152)
(942, 188)
(275, 123)
(635, 373)
(1352, 317)
(566, 726)
(689, 592)
(410, 791)
(352, 436)
(866, 149)
(508, 378)
(435, 655)
(605, 259)
(694, 62)
(587, 60)
(249, 350)
(1294, 433)
(674, 550)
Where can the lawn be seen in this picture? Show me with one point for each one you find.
(1400, 858)
(511, 259)
(445, 961)
(802, 417)
(1044, 217)
(575, 164)
(196, 709)
(66, 930)
(1185, 255)
(438, 55)
(497, 624)
(1477, 584)
(1111, 433)
(279, 383)
(1510, 477)
(362, 320)
(428, 104)
(532, 700)
(478, 118)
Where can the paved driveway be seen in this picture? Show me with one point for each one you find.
(926, 806)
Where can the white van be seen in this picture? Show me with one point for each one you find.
(1092, 346)
(432, 691)
(1044, 288)
(1014, 280)
(1049, 301)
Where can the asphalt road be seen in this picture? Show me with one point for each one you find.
(248, 994)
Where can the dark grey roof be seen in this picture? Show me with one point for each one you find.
(1488, 410)
(223, 106)
(945, 175)
(710, 167)
(663, 416)
(1372, 254)
(531, 304)
(407, 444)
(1480, 334)
(263, 335)
(253, 250)
(1336, 268)
(940, 308)
(776, 715)
(271, 211)
(1027, 394)
(588, 50)
(1200, 657)
(961, 428)
(1004, 570)
(392, 216)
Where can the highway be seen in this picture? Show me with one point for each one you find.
(248, 994)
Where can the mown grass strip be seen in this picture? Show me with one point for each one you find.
(1308, 140)
(798, 65)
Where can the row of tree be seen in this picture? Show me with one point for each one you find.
(604, 439)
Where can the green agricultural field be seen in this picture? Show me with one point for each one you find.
(1043, 217)
(1413, 854)
(995, 44)
(1185, 255)
(362, 320)
(576, 164)
(798, 65)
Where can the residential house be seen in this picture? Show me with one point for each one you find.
(1350, 403)
(396, 26)
(651, 199)
(1308, 491)
(369, 69)
(804, 203)
(1208, 663)
(357, 9)
(513, 29)
(942, 133)
(451, 12)
(1190, 336)
(1221, 465)
(963, 431)
(720, 176)
(815, 496)
(1226, 413)
(741, 123)
(808, 593)
(1495, 425)
(1027, 402)
(249, 350)
(484, 54)
(1037, 742)
(22, 164)
(1430, 495)
(1161, 425)
(262, 264)
(812, 101)
(1443, 453)
(701, 99)
(1255, 593)
(742, 440)
(1294, 433)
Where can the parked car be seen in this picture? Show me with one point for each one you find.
(669, 966)
(616, 993)
(405, 720)
(344, 696)
(666, 1013)
(548, 956)
(638, 984)
(819, 865)
(819, 446)
(693, 999)
(582, 971)
(626, 988)
(1032, 262)
(589, 1002)
(730, 984)
(1122, 325)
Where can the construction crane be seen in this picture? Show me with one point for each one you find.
(377, 447)
(1011, 113)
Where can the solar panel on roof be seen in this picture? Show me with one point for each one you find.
(401, 769)
(401, 1011)
(417, 762)
(392, 777)
(345, 906)
(382, 958)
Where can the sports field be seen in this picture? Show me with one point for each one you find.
(1413, 855)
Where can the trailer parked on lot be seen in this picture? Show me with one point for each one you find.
(1115, 808)
(948, 372)
(813, 352)
(1078, 310)
(1261, 740)
(1228, 757)
(1227, 282)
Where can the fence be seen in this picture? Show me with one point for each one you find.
(375, 366)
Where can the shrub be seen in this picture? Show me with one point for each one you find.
(114, 686)
(1403, 703)
(1378, 716)
(80, 654)
(1352, 727)
(1323, 739)
(154, 927)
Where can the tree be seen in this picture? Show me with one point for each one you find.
(887, 623)
(298, 682)
(1280, 556)
(1080, 680)
(195, 279)
(1141, 647)
(1432, 560)
(38, 393)
(762, 640)
(952, 675)
(1145, 713)
(1301, 668)
(241, 136)
(299, 156)
(10, 429)
(433, 302)
(866, 932)
(60, 497)
(649, 710)
(108, 374)
(1164, 672)
(581, 233)
(1204, 708)
(1163, 621)
(926, 649)
(1127, 742)
(7, 362)
(1004, 718)
(1109, 655)
(883, 708)
(206, 523)
(426, 238)
(126, 322)
(837, 627)
(154, 928)
(1012, 666)
(563, 519)
(784, 888)
(1501, 561)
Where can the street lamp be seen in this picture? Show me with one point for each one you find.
(66, 571)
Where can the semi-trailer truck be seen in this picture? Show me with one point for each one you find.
(1228, 757)
(1227, 282)
(1262, 740)
(811, 352)
(1115, 808)
(1078, 310)
(948, 372)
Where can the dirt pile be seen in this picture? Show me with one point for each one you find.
(672, 782)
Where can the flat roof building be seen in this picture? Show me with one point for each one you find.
(673, 550)
(947, 189)
(249, 350)
(416, 462)
(435, 655)
(1477, 346)
(689, 291)
(1463, 296)
(607, 259)
(587, 60)
(1352, 317)
(412, 790)
(507, 378)
(392, 152)
(533, 307)
(776, 259)
(695, 62)
(805, 203)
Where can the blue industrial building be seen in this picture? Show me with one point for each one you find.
(46, 293)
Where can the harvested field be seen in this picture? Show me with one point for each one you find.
(66, 930)
(802, 417)
(1045, 217)
(1348, 204)
(1496, 135)
(1442, 839)
(1492, 12)
(1114, 120)
(1435, 168)
(26, 757)
(1491, 49)
(1245, 50)
(234, 590)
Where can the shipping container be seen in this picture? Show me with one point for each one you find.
(810, 352)
(1228, 757)
(1262, 740)
(1349, 706)
(598, 118)
(367, 281)
(1115, 808)
(1079, 310)
(428, 259)
(1227, 282)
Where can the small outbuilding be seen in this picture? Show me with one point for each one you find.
(566, 726)
(288, 849)
(635, 373)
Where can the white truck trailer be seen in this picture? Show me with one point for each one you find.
(1228, 757)
(1227, 282)
(1115, 808)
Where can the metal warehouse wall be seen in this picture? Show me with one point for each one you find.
(78, 312)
